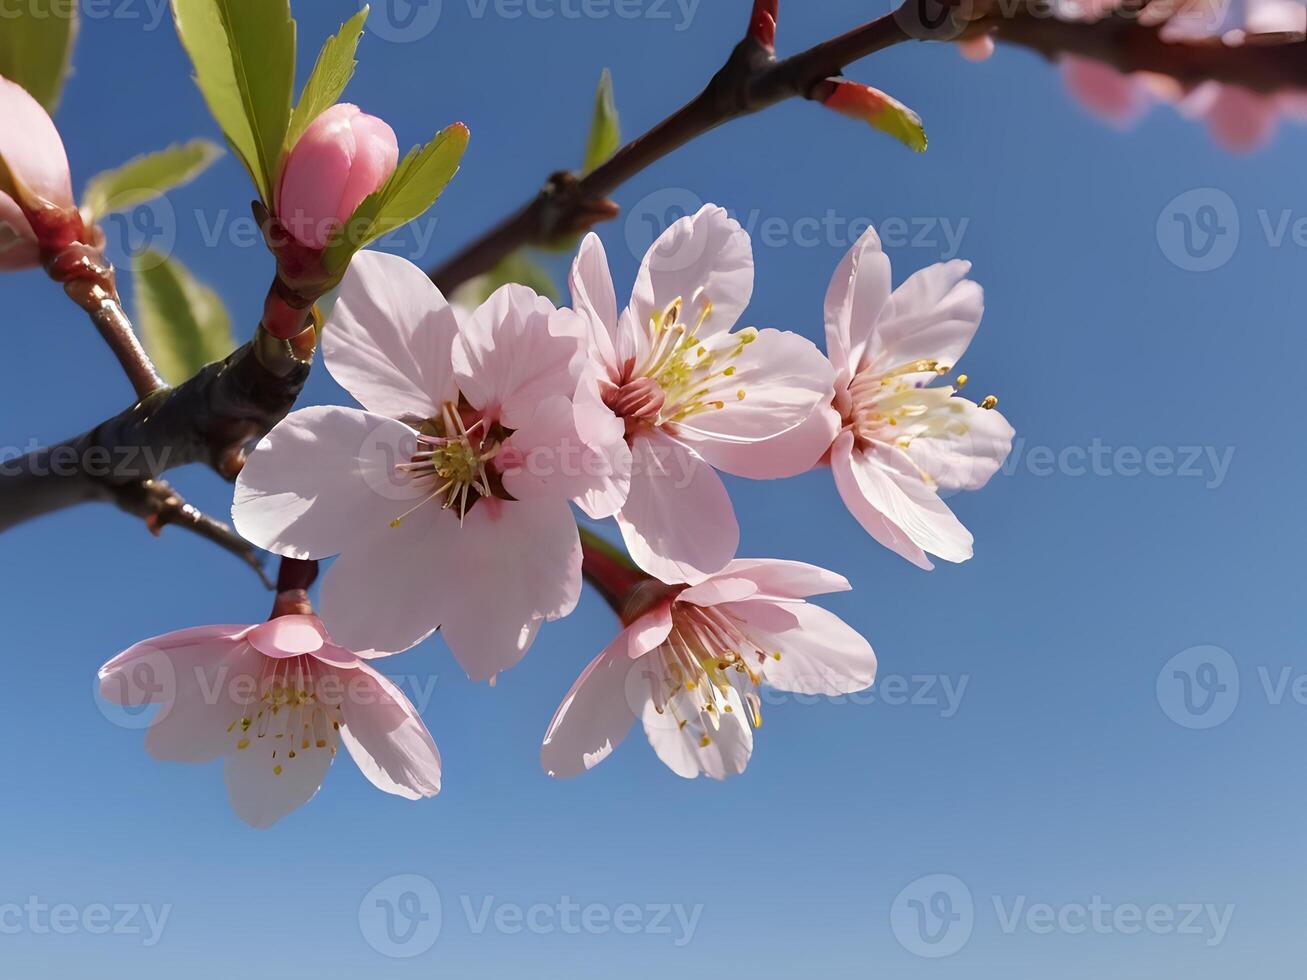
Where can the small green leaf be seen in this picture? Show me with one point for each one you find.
(517, 267)
(146, 177)
(184, 324)
(415, 185)
(605, 129)
(244, 57)
(36, 46)
(332, 72)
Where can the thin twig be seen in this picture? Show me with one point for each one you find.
(91, 283)
(160, 506)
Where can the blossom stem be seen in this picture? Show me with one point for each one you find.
(627, 590)
(90, 282)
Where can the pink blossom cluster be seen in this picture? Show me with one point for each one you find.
(447, 499)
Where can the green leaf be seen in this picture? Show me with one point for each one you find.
(332, 72)
(415, 185)
(146, 177)
(517, 267)
(36, 46)
(184, 324)
(244, 57)
(605, 129)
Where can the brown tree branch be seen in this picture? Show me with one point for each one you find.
(1267, 63)
(209, 419)
(753, 79)
(160, 506)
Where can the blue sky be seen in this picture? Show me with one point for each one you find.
(1030, 740)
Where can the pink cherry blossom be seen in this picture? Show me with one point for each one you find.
(274, 701)
(900, 439)
(342, 157)
(447, 498)
(34, 155)
(691, 668)
(690, 395)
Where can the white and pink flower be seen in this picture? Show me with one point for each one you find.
(895, 438)
(273, 701)
(447, 498)
(691, 396)
(690, 669)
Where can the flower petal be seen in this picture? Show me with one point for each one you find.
(606, 453)
(858, 293)
(387, 339)
(386, 737)
(682, 750)
(966, 459)
(932, 316)
(704, 258)
(598, 711)
(386, 593)
(678, 522)
(515, 565)
(594, 298)
(264, 784)
(894, 505)
(776, 579)
(515, 351)
(322, 477)
(821, 655)
(775, 385)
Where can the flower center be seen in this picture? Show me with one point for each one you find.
(692, 375)
(452, 460)
(289, 717)
(706, 655)
(898, 406)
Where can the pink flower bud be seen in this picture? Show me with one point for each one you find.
(344, 156)
(36, 195)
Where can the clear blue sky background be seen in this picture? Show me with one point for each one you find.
(1060, 775)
